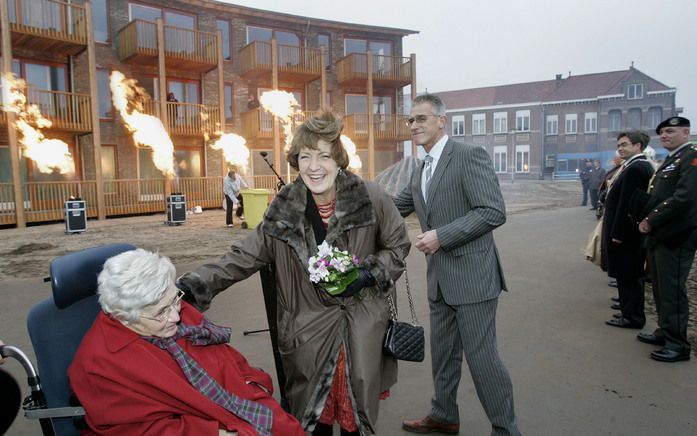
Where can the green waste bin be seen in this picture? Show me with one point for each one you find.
(255, 203)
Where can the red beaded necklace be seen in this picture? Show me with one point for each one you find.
(326, 210)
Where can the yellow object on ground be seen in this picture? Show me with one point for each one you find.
(255, 203)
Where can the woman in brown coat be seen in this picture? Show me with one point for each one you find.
(331, 346)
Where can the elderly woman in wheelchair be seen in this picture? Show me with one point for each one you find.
(153, 364)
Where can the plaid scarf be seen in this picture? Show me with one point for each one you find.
(258, 415)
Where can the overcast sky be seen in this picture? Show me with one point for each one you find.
(468, 44)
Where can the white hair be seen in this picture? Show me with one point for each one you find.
(133, 280)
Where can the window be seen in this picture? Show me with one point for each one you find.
(522, 121)
(500, 156)
(227, 89)
(379, 48)
(323, 41)
(614, 120)
(109, 167)
(590, 122)
(258, 34)
(500, 122)
(458, 125)
(522, 158)
(224, 27)
(655, 117)
(552, 124)
(571, 124)
(479, 124)
(634, 118)
(104, 94)
(188, 162)
(100, 20)
(635, 91)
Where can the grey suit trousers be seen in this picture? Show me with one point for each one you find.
(476, 324)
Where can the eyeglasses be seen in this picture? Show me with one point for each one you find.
(419, 119)
(166, 311)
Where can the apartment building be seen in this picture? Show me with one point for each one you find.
(204, 65)
(547, 128)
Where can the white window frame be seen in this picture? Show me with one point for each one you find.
(571, 124)
(522, 121)
(500, 122)
(500, 159)
(458, 125)
(590, 122)
(635, 91)
(479, 124)
(552, 125)
(522, 155)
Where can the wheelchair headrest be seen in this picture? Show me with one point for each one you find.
(74, 275)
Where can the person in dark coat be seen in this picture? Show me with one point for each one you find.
(596, 178)
(585, 176)
(622, 240)
(671, 227)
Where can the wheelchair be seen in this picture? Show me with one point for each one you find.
(56, 327)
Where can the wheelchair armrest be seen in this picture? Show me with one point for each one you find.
(56, 412)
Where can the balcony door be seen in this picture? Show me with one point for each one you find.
(175, 40)
(43, 81)
(186, 111)
(288, 54)
(265, 117)
(382, 107)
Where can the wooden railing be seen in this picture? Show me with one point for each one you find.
(181, 45)
(187, 119)
(258, 123)
(256, 56)
(386, 69)
(137, 37)
(65, 110)
(191, 45)
(385, 126)
(49, 18)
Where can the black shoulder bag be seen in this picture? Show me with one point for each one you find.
(403, 340)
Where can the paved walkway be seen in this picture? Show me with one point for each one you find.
(572, 374)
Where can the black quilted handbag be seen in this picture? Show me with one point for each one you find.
(404, 341)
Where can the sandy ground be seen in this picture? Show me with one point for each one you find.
(26, 253)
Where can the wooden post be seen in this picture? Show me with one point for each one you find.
(221, 98)
(371, 127)
(323, 81)
(276, 127)
(94, 113)
(162, 78)
(11, 132)
(413, 92)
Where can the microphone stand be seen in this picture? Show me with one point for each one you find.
(280, 183)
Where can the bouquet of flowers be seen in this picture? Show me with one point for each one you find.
(332, 268)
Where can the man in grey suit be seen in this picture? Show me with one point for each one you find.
(458, 200)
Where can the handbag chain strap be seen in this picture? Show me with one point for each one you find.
(393, 309)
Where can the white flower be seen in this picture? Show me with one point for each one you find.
(324, 250)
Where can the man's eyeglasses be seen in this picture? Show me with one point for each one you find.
(166, 311)
(419, 119)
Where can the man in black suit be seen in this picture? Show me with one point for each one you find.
(671, 226)
(622, 240)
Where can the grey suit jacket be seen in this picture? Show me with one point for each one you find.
(465, 205)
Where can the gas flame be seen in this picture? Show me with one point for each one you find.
(147, 130)
(234, 150)
(283, 105)
(49, 155)
(354, 159)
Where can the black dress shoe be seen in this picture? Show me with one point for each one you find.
(624, 323)
(617, 315)
(668, 355)
(650, 338)
(616, 306)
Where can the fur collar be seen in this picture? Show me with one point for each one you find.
(285, 218)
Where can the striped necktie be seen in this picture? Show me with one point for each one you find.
(428, 173)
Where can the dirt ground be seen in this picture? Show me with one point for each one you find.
(27, 252)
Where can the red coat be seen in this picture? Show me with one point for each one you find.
(131, 387)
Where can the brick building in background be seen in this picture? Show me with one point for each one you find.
(215, 59)
(546, 129)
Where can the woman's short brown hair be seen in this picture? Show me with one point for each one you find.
(326, 126)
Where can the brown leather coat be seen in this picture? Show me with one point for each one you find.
(312, 324)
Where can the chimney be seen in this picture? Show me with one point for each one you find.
(558, 77)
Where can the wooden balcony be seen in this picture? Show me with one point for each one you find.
(387, 71)
(388, 127)
(185, 49)
(258, 123)
(187, 119)
(67, 111)
(48, 26)
(295, 64)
